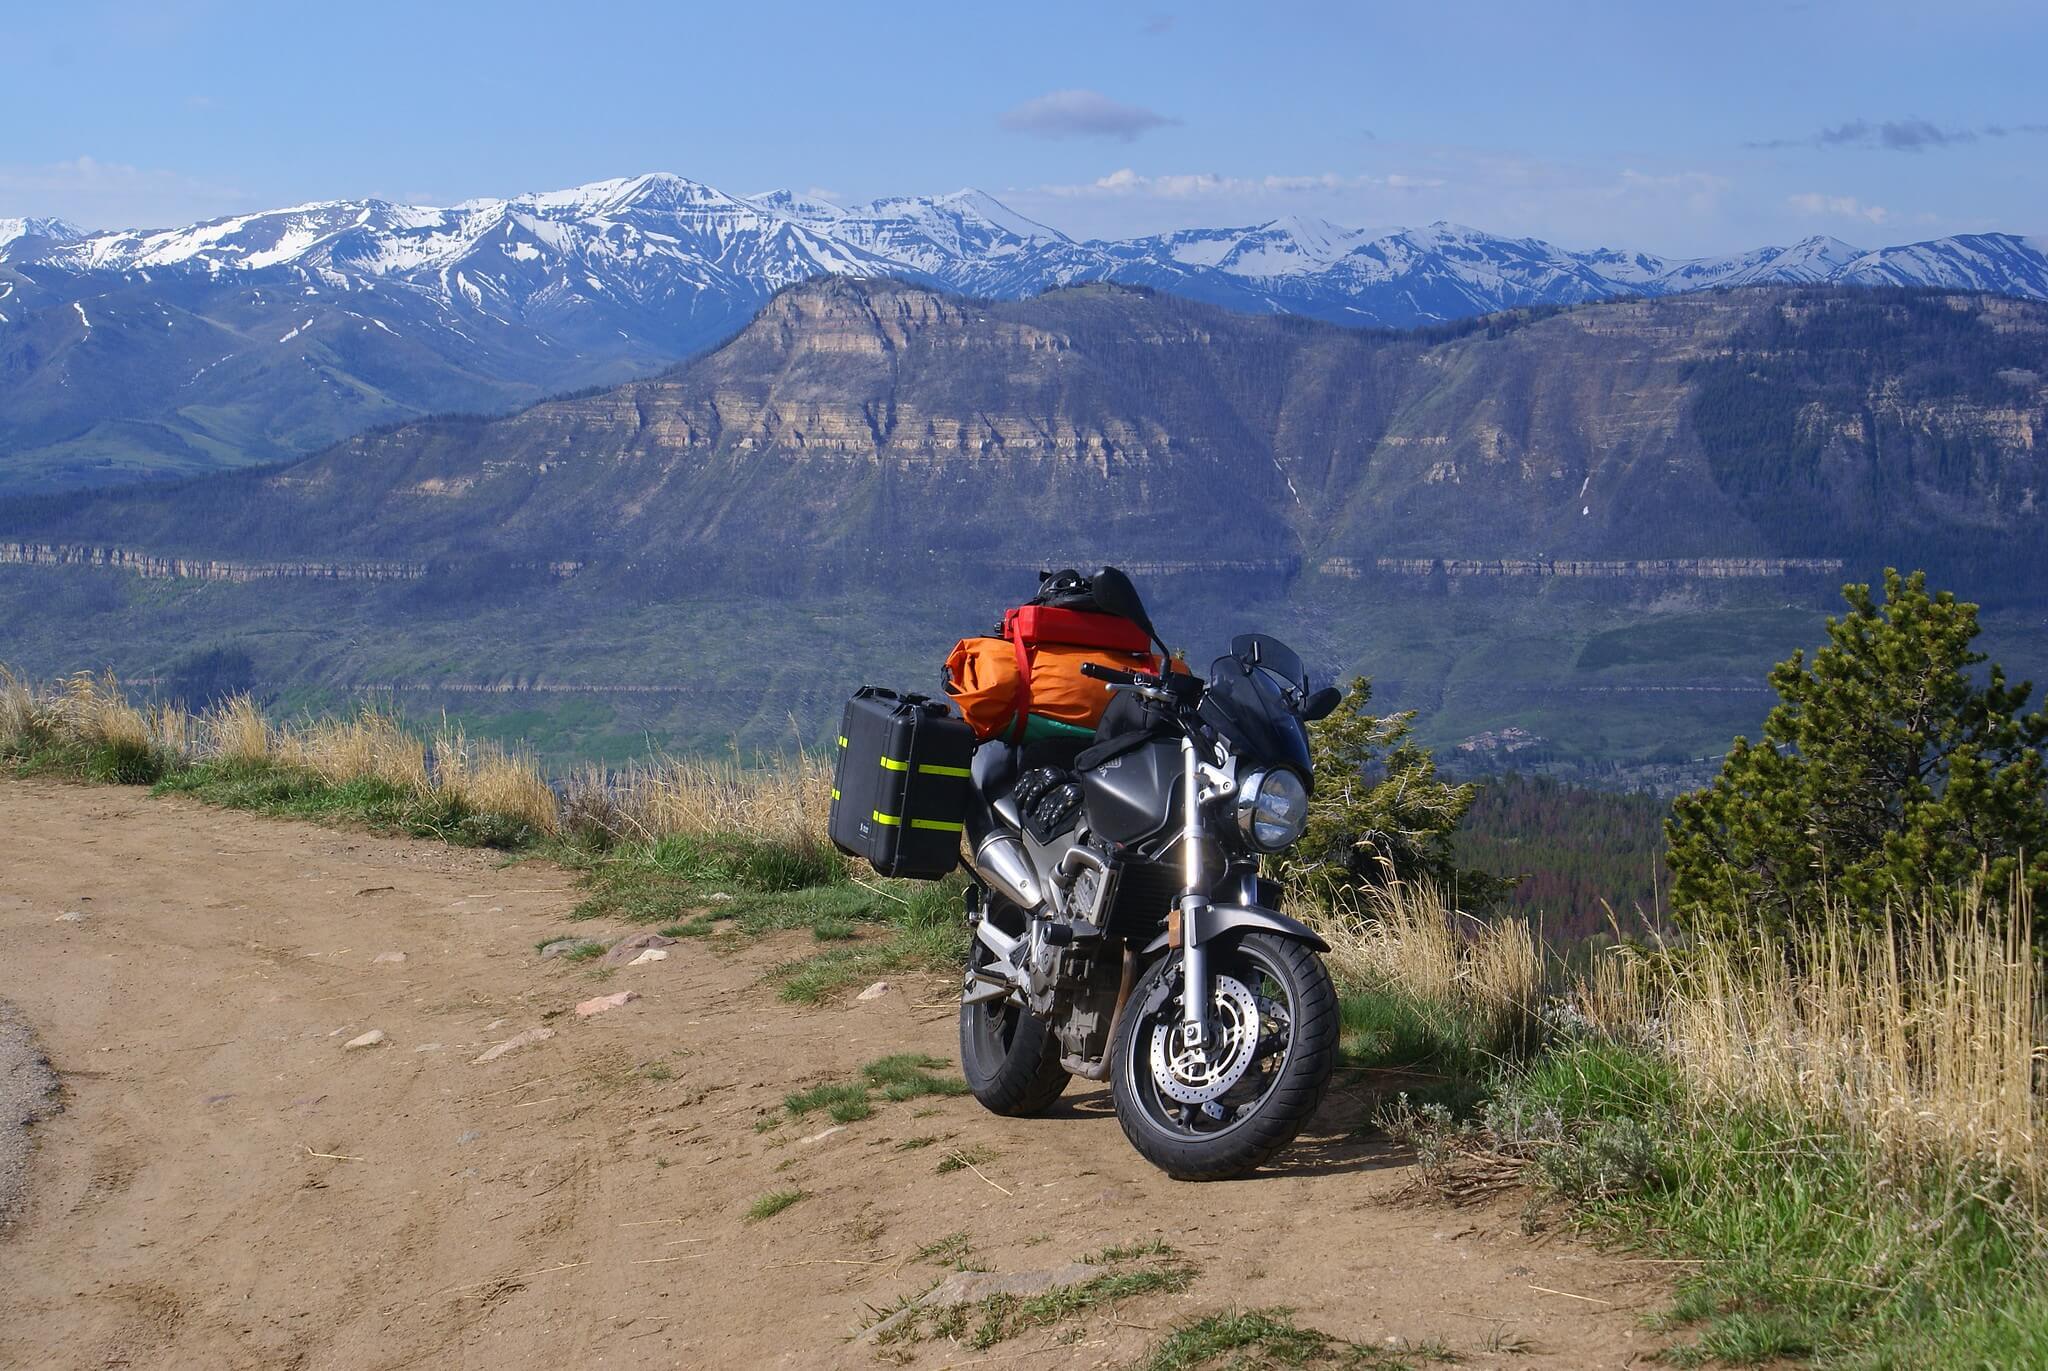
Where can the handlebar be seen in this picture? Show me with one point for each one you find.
(1169, 687)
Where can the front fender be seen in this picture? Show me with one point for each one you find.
(1220, 919)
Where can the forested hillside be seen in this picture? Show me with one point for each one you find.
(1585, 861)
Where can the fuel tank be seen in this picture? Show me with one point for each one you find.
(1133, 796)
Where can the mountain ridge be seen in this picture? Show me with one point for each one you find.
(1290, 245)
(261, 337)
(856, 426)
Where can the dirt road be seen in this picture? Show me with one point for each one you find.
(228, 1185)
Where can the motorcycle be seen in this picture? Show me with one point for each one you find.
(1123, 931)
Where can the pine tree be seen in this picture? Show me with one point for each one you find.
(1887, 777)
(1380, 813)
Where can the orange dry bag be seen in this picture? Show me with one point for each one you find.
(1029, 681)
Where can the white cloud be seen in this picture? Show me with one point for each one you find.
(1846, 206)
(1082, 114)
(100, 194)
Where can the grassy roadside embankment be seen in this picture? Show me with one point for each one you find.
(1835, 1146)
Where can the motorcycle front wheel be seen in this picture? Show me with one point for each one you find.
(1009, 1055)
(1211, 1113)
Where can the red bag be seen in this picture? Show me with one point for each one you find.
(1028, 627)
(1048, 645)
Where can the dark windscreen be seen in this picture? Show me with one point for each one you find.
(1249, 704)
(1270, 654)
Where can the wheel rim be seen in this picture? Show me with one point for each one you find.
(1188, 1092)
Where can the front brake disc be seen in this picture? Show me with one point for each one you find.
(1191, 1074)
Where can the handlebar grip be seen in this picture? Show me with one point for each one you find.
(1108, 673)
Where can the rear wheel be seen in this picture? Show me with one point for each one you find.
(1009, 1055)
(1204, 1114)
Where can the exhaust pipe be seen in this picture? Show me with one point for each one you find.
(1000, 861)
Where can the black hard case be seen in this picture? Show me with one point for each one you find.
(899, 797)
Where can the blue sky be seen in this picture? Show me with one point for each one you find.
(1671, 128)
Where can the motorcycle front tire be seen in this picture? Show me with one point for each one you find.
(1297, 1086)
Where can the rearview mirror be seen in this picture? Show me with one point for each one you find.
(1319, 705)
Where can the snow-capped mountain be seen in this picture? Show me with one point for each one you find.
(661, 241)
(259, 336)
(49, 230)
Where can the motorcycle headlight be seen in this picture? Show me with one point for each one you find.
(1272, 809)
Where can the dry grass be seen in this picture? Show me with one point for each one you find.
(776, 803)
(93, 710)
(238, 732)
(490, 779)
(366, 747)
(1925, 1039)
(1409, 937)
(785, 803)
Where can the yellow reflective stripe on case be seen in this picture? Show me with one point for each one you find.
(925, 768)
(942, 825)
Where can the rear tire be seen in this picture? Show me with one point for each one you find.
(1271, 1099)
(1009, 1055)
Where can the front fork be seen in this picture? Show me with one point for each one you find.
(1194, 898)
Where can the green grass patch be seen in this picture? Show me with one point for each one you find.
(1269, 1340)
(1002, 1317)
(290, 792)
(763, 885)
(127, 762)
(965, 1159)
(1440, 1055)
(1130, 1252)
(902, 1076)
(773, 1203)
(954, 1250)
(920, 929)
(1809, 1247)
(911, 1075)
(1389, 1029)
(116, 762)
(845, 1102)
(1005, 1316)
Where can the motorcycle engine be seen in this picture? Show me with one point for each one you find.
(1071, 973)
